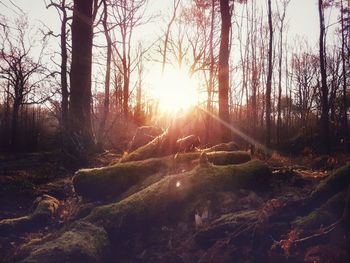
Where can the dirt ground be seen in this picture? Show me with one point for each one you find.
(241, 225)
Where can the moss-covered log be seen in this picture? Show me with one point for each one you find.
(111, 181)
(80, 242)
(164, 144)
(170, 142)
(45, 209)
(166, 199)
(144, 135)
(336, 182)
(327, 214)
(188, 143)
(227, 147)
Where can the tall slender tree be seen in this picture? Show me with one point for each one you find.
(343, 40)
(324, 87)
(224, 54)
(62, 8)
(269, 78)
(80, 78)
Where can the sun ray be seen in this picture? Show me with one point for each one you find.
(175, 91)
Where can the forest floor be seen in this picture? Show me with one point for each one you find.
(244, 226)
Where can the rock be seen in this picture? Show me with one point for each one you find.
(45, 209)
(79, 242)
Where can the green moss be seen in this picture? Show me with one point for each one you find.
(46, 207)
(166, 199)
(327, 214)
(114, 180)
(80, 242)
(336, 182)
(227, 147)
(162, 145)
(227, 223)
(227, 157)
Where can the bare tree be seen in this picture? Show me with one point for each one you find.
(282, 17)
(23, 74)
(269, 78)
(167, 32)
(224, 67)
(109, 42)
(80, 79)
(128, 15)
(324, 86)
(343, 46)
(63, 8)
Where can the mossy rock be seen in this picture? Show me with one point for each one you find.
(168, 198)
(327, 214)
(111, 181)
(79, 242)
(45, 209)
(333, 184)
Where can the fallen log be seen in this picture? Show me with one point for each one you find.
(164, 200)
(326, 214)
(143, 135)
(162, 145)
(111, 181)
(45, 209)
(188, 143)
(336, 182)
(168, 143)
(227, 147)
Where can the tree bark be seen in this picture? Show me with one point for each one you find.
(14, 124)
(324, 87)
(80, 77)
(224, 68)
(108, 72)
(345, 106)
(269, 80)
(64, 59)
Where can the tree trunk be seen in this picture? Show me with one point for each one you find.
(80, 99)
(224, 68)
(279, 119)
(345, 106)
(324, 88)
(269, 80)
(64, 82)
(108, 72)
(14, 124)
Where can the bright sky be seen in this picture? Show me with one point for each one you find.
(302, 15)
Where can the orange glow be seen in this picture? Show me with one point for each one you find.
(175, 91)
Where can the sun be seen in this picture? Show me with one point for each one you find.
(175, 91)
